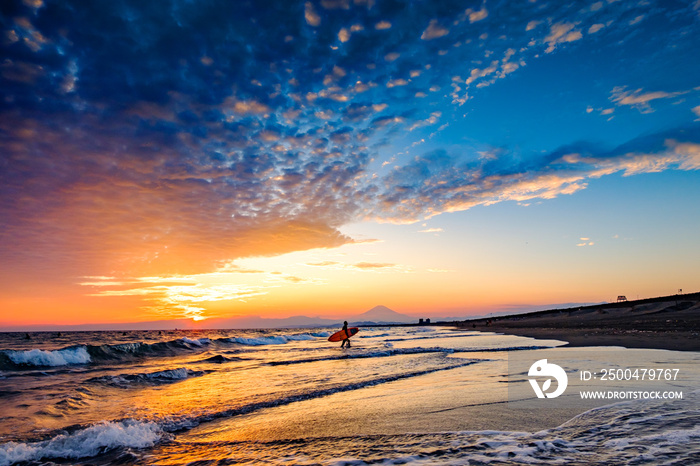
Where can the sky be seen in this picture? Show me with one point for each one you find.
(208, 159)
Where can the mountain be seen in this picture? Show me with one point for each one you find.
(383, 314)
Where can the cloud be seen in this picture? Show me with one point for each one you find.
(475, 16)
(477, 73)
(323, 264)
(135, 143)
(344, 35)
(392, 56)
(373, 265)
(637, 19)
(177, 301)
(358, 266)
(585, 242)
(184, 295)
(431, 120)
(437, 182)
(638, 98)
(312, 18)
(434, 30)
(595, 28)
(431, 230)
(696, 110)
(561, 33)
(532, 25)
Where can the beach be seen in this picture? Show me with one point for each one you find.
(671, 322)
(400, 395)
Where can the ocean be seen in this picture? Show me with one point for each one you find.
(399, 395)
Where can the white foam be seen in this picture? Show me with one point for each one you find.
(84, 443)
(303, 336)
(197, 342)
(62, 357)
(375, 336)
(275, 340)
(174, 374)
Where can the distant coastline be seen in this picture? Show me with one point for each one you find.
(667, 322)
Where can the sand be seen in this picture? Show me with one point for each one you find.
(671, 322)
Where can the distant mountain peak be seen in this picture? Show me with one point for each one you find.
(384, 314)
(381, 307)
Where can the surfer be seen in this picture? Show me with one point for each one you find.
(347, 335)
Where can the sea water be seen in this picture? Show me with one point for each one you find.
(399, 395)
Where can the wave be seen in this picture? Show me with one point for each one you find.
(152, 378)
(390, 351)
(73, 355)
(433, 337)
(638, 432)
(196, 342)
(380, 353)
(217, 359)
(129, 351)
(88, 354)
(85, 443)
(126, 352)
(110, 435)
(375, 336)
(275, 339)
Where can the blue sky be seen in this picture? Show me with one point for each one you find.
(170, 139)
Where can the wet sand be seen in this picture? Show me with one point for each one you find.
(671, 323)
(471, 398)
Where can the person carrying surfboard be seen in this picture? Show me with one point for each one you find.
(344, 335)
(347, 335)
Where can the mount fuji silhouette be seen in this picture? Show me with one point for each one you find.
(383, 314)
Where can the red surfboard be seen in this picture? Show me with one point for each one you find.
(341, 335)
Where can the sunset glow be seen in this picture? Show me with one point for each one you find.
(218, 159)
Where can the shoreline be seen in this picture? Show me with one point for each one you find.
(585, 337)
(666, 323)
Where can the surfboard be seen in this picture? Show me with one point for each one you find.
(340, 335)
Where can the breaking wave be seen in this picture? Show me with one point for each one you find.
(67, 356)
(84, 443)
(153, 378)
(275, 339)
(87, 354)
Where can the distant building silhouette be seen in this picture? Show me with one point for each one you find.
(621, 299)
(420, 321)
(427, 321)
